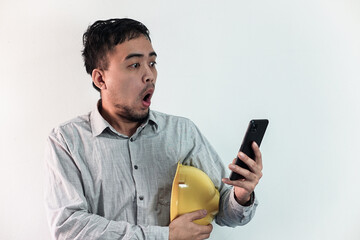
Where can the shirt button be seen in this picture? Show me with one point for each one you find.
(131, 139)
(136, 167)
(141, 198)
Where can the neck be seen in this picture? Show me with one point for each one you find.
(121, 124)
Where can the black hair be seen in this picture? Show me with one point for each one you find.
(101, 37)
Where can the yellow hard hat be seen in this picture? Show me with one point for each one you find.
(193, 190)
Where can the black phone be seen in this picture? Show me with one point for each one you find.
(255, 132)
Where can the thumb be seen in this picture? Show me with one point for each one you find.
(197, 214)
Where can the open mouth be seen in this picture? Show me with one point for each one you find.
(147, 98)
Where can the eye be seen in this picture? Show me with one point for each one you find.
(152, 64)
(135, 65)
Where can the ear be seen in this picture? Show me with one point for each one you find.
(98, 78)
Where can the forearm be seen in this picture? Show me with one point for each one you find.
(83, 225)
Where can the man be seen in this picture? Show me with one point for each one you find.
(110, 171)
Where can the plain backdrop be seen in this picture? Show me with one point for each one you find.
(220, 63)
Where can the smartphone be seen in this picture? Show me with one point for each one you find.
(255, 132)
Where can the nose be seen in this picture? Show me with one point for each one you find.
(149, 75)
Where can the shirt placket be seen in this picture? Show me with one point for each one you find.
(138, 176)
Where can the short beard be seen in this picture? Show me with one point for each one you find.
(132, 116)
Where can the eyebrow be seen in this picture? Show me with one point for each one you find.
(132, 55)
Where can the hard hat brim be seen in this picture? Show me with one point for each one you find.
(175, 195)
(193, 190)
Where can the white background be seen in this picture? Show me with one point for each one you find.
(220, 64)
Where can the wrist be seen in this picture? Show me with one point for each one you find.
(246, 201)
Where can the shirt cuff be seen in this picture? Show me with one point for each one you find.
(240, 208)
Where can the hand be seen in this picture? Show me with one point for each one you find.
(182, 227)
(244, 187)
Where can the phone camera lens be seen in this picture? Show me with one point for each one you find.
(253, 127)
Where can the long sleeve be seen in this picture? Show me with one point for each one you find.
(67, 207)
(105, 185)
(233, 214)
(204, 157)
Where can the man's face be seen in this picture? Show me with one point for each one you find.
(130, 79)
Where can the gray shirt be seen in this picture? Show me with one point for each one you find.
(105, 185)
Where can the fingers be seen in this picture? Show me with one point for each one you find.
(247, 174)
(258, 157)
(196, 215)
(254, 166)
(208, 229)
(182, 227)
(253, 175)
(255, 172)
(244, 187)
(247, 185)
(250, 163)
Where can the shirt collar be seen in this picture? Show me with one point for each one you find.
(99, 124)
